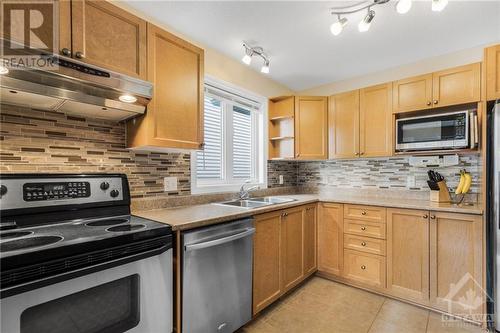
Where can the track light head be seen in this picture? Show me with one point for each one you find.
(365, 24)
(403, 6)
(337, 27)
(265, 67)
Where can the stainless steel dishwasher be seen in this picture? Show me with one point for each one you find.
(217, 277)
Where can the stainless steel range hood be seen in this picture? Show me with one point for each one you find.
(76, 88)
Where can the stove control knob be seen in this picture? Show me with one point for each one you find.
(104, 186)
(114, 193)
(3, 190)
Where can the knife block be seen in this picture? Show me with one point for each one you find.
(443, 195)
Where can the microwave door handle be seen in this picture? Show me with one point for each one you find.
(198, 246)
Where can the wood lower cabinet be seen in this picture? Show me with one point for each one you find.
(267, 260)
(408, 254)
(310, 243)
(330, 238)
(292, 240)
(457, 85)
(174, 118)
(343, 125)
(375, 121)
(456, 263)
(311, 128)
(414, 93)
(492, 63)
(365, 268)
(107, 36)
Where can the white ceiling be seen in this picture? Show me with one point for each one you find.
(305, 54)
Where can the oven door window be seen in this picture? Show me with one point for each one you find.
(435, 129)
(112, 307)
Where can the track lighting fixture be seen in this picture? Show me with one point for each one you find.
(367, 21)
(402, 7)
(251, 51)
(337, 27)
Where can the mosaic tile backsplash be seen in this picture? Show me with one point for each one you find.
(34, 141)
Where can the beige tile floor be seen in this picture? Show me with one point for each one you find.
(325, 306)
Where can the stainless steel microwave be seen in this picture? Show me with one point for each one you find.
(437, 132)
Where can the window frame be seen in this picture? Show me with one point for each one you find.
(259, 139)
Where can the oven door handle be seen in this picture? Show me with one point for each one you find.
(197, 246)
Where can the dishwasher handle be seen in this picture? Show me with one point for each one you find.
(197, 246)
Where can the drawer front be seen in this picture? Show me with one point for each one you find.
(362, 228)
(364, 244)
(365, 213)
(365, 268)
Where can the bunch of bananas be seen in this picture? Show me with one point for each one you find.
(465, 182)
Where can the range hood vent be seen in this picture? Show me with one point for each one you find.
(76, 88)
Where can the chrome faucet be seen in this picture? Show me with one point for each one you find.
(245, 193)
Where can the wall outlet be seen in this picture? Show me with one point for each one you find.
(411, 181)
(281, 180)
(170, 184)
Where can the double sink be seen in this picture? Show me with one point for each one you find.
(256, 202)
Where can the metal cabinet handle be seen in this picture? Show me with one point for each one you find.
(79, 55)
(425, 216)
(363, 267)
(66, 52)
(362, 153)
(435, 101)
(210, 243)
(363, 228)
(363, 244)
(363, 213)
(429, 103)
(433, 217)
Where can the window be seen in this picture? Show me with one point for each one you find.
(234, 143)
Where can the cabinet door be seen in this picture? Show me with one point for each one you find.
(310, 220)
(412, 94)
(330, 238)
(457, 85)
(408, 253)
(375, 121)
(292, 247)
(456, 263)
(107, 36)
(492, 62)
(343, 125)
(365, 268)
(311, 127)
(174, 118)
(266, 260)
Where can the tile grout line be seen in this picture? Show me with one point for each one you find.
(428, 318)
(375, 318)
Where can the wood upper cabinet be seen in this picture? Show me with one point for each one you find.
(457, 85)
(310, 232)
(456, 262)
(266, 260)
(174, 117)
(330, 238)
(292, 247)
(408, 254)
(107, 36)
(492, 63)
(311, 132)
(413, 93)
(375, 121)
(343, 125)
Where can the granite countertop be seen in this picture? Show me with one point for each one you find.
(189, 217)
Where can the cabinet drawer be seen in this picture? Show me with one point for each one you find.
(363, 228)
(365, 213)
(364, 244)
(365, 268)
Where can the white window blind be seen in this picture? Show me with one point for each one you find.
(242, 143)
(209, 161)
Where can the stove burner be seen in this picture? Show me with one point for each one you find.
(15, 234)
(24, 243)
(126, 227)
(104, 223)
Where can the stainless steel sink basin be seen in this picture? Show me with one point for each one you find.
(272, 200)
(256, 202)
